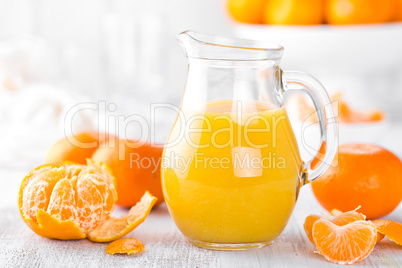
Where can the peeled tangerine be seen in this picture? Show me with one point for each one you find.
(71, 201)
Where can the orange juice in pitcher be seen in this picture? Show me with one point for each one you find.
(231, 168)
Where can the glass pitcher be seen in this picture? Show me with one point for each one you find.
(231, 168)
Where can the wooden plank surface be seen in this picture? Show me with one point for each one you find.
(165, 246)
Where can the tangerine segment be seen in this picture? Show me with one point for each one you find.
(340, 220)
(115, 228)
(308, 225)
(344, 244)
(351, 216)
(126, 245)
(348, 217)
(40, 183)
(393, 230)
(336, 212)
(56, 199)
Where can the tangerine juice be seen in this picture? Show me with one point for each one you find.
(230, 172)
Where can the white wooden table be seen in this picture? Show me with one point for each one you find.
(164, 244)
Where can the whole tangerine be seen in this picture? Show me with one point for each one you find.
(359, 11)
(296, 12)
(246, 11)
(76, 148)
(398, 10)
(366, 175)
(136, 169)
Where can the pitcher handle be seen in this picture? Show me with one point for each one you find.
(326, 119)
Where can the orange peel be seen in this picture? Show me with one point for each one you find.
(380, 236)
(50, 227)
(393, 230)
(114, 228)
(125, 246)
(346, 244)
(346, 114)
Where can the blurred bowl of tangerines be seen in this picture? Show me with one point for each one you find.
(315, 12)
(351, 44)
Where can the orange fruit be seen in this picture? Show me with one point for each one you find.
(136, 169)
(247, 11)
(359, 11)
(340, 220)
(76, 148)
(366, 175)
(126, 245)
(68, 201)
(393, 230)
(345, 244)
(297, 12)
(398, 10)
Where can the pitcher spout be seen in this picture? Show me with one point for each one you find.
(209, 47)
(189, 43)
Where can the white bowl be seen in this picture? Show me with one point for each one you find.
(350, 47)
